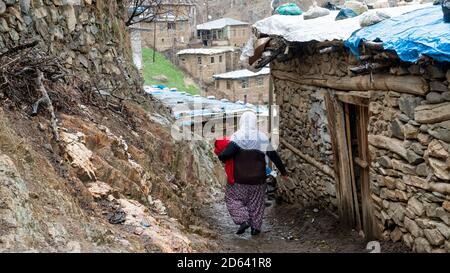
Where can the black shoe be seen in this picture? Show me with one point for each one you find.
(242, 228)
(255, 231)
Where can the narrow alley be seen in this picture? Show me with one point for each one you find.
(122, 122)
(289, 229)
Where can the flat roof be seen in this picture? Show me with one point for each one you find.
(240, 74)
(221, 23)
(205, 51)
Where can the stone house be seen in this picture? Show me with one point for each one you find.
(367, 135)
(243, 85)
(173, 29)
(203, 63)
(224, 32)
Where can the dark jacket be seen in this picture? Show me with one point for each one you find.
(250, 165)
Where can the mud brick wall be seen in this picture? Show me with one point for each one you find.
(409, 144)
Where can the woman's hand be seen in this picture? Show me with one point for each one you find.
(285, 177)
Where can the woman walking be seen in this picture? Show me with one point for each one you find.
(245, 198)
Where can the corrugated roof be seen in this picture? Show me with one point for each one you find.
(240, 74)
(326, 28)
(221, 23)
(206, 51)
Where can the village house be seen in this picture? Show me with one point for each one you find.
(224, 32)
(365, 126)
(172, 29)
(243, 85)
(203, 63)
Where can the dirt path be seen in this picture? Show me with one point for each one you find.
(287, 229)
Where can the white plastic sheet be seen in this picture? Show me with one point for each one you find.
(244, 73)
(206, 51)
(296, 29)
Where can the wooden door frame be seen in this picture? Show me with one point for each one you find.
(336, 128)
(345, 185)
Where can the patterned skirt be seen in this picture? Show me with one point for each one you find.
(246, 203)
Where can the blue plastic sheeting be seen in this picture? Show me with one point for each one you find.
(345, 14)
(411, 35)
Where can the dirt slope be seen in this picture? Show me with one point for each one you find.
(108, 168)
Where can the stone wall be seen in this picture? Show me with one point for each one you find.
(203, 72)
(89, 37)
(177, 37)
(409, 143)
(410, 174)
(303, 124)
(257, 91)
(238, 35)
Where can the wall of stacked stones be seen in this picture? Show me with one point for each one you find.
(303, 124)
(88, 35)
(409, 143)
(410, 173)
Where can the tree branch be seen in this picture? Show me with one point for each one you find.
(46, 99)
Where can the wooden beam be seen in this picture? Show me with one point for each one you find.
(354, 97)
(352, 169)
(335, 147)
(368, 220)
(321, 167)
(383, 82)
(346, 204)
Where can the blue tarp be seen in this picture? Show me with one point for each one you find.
(411, 35)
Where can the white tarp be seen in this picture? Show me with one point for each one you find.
(295, 29)
(206, 50)
(239, 74)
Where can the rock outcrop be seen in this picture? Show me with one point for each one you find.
(116, 181)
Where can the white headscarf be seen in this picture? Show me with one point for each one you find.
(248, 136)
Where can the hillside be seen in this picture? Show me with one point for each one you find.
(164, 72)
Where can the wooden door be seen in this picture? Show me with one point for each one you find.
(348, 118)
(363, 161)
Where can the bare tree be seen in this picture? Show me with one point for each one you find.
(144, 10)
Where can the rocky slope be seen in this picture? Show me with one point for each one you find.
(111, 179)
(69, 197)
